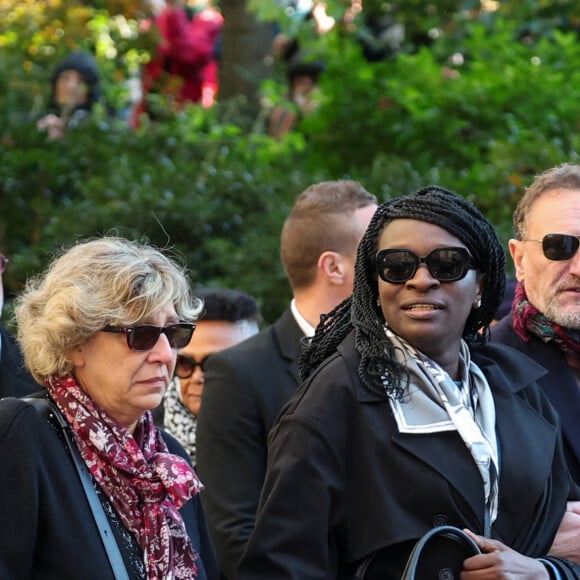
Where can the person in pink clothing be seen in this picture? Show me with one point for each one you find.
(184, 68)
(206, 22)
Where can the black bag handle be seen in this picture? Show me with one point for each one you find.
(456, 536)
(449, 532)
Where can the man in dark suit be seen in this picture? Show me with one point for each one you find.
(247, 385)
(545, 319)
(14, 379)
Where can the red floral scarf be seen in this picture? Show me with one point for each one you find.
(145, 483)
(528, 320)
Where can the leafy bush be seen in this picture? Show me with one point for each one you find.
(480, 110)
(218, 200)
(481, 118)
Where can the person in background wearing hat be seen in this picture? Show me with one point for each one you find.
(75, 88)
(303, 97)
(302, 70)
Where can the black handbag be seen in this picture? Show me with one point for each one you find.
(438, 555)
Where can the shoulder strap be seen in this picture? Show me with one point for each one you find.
(47, 408)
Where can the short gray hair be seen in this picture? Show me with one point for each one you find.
(564, 176)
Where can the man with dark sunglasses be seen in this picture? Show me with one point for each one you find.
(544, 321)
(228, 317)
(15, 381)
(247, 385)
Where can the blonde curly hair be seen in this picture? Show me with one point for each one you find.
(109, 280)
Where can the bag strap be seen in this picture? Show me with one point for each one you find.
(411, 567)
(459, 535)
(47, 409)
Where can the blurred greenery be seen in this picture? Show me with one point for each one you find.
(478, 97)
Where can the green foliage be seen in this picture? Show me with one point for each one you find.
(218, 200)
(35, 36)
(481, 117)
(480, 106)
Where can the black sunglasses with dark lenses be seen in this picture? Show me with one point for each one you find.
(186, 365)
(559, 247)
(145, 336)
(445, 264)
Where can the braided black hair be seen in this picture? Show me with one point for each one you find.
(379, 370)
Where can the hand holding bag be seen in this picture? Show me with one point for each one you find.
(438, 555)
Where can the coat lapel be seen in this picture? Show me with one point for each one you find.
(289, 335)
(515, 419)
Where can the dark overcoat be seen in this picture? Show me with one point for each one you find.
(559, 384)
(47, 531)
(245, 388)
(15, 380)
(342, 481)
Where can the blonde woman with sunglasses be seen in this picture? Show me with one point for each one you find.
(100, 331)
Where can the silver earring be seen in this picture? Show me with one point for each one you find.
(478, 304)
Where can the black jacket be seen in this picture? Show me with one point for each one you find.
(47, 531)
(15, 380)
(245, 388)
(342, 481)
(559, 384)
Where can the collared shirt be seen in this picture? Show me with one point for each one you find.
(304, 325)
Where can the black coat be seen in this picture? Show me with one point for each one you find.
(342, 481)
(15, 380)
(245, 388)
(47, 531)
(559, 384)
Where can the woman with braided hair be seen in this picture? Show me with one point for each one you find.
(408, 419)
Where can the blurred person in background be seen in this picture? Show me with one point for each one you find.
(228, 317)
(183, 68)
(75, 89)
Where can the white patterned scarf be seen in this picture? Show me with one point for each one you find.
(436, 403)
(179, 420)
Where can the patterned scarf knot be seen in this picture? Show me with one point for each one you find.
(177, 477)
